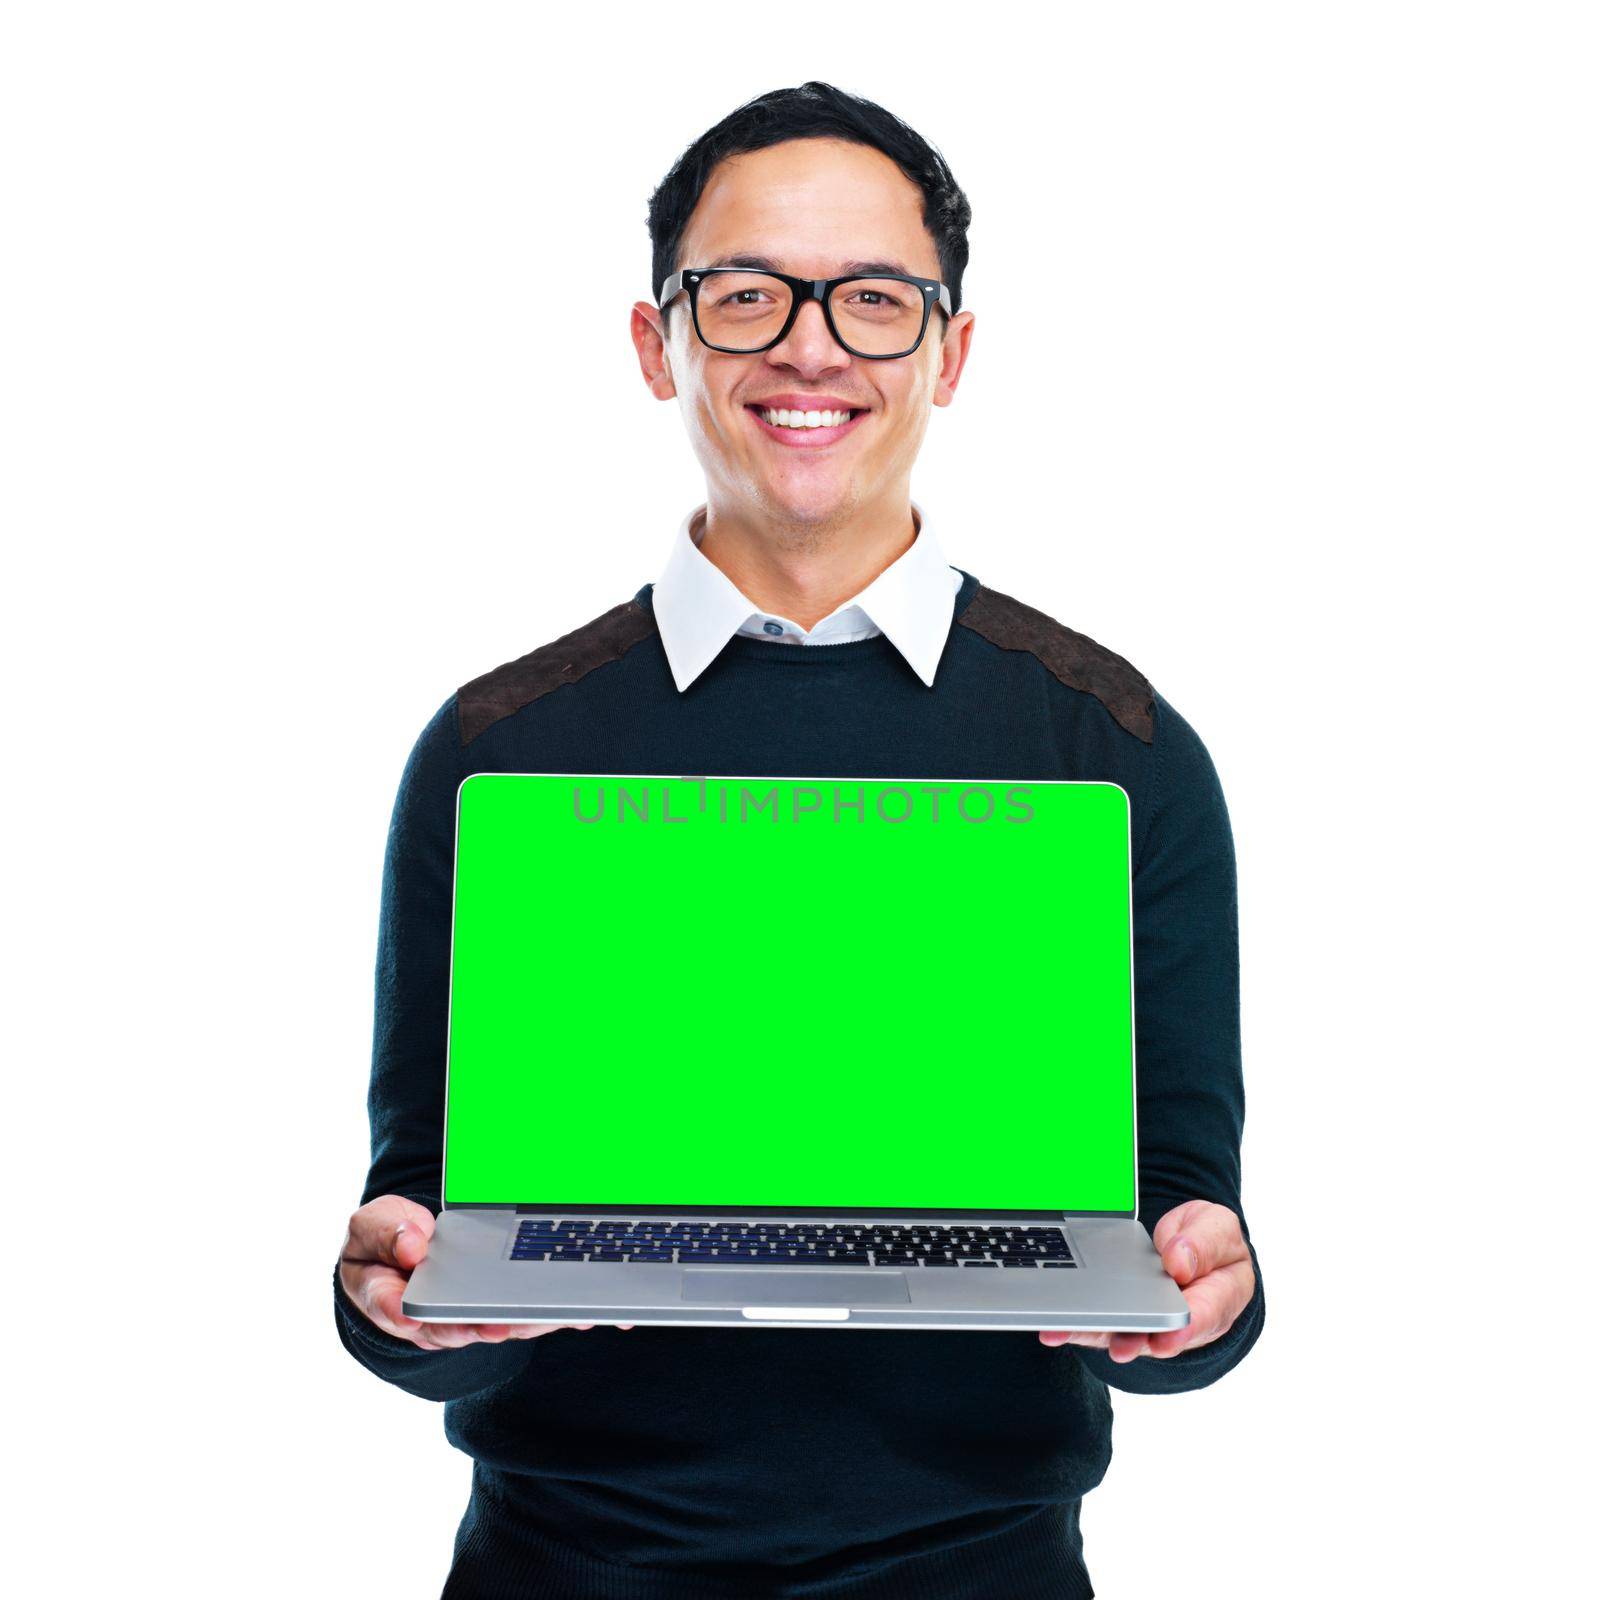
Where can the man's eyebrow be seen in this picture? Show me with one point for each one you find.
(767, 264)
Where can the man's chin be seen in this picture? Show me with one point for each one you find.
(801, 503)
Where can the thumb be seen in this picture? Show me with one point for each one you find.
(406, 1242)
(1181, 1260)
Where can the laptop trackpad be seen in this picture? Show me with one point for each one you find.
(794, 1286)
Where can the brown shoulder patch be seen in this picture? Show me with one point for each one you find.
(508, 688)
(1076, 659)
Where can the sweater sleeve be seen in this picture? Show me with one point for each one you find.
(1186, 1031)
(405, 1098)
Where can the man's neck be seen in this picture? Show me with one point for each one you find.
(803, 571)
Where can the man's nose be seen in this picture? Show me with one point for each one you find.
(808, 343)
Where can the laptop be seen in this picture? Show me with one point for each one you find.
(748, 1051)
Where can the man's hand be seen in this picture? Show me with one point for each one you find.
(386, 1241)
(1205, 1254)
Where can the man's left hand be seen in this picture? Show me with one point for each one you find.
(1204, 1252)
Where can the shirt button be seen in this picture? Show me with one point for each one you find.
(772, 627)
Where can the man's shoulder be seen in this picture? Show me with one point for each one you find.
(514, 684)
(1073, 658)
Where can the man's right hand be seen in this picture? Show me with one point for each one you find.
(385, 1243)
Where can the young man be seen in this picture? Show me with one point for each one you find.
(806, 623)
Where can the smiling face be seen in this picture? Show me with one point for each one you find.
(816, 208)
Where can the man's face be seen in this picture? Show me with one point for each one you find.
(811, 207)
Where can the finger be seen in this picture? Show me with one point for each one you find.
(532, 1330)
(1171, 1340)
(1175, 1221)
(456, 1335)
(378, 1291)
(1128, 1346)
(1121, 1347)
(445, 1335)
(484, 1332)
(390, 1229)
(1215, 1303)
(1207, 1239)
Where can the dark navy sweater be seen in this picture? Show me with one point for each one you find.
(679, 1462)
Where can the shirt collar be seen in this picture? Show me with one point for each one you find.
(698, 607)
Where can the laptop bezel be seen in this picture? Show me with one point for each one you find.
(842, 1214)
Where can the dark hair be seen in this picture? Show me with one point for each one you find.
(813, 111)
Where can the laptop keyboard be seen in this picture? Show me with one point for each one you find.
(794, 1243)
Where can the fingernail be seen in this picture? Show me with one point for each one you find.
(1194, 1259)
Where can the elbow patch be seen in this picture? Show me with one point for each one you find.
(1072, 658)
(508, 688)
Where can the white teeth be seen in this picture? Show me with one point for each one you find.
(806, 419)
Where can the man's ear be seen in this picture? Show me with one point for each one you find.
(649, 340)
(952, 357)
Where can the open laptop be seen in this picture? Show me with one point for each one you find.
(808, 1052)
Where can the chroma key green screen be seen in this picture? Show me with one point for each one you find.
(826, 993)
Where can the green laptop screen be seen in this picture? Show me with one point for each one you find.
(832, 994)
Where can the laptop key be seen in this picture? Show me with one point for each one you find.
(980, 1263)
(1058, 1263)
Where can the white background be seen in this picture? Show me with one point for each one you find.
(1283, 385)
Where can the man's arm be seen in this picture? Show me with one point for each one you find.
(405, 1099)
(1190, 1079)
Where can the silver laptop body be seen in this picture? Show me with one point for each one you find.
(766, 1266)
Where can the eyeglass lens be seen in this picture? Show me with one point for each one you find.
(743, 311)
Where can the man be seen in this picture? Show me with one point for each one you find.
(807, 624)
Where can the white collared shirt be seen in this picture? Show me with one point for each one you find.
(698, 607)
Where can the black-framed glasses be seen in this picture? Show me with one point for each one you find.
(742, 312)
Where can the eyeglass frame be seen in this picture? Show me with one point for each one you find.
(801, 292)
